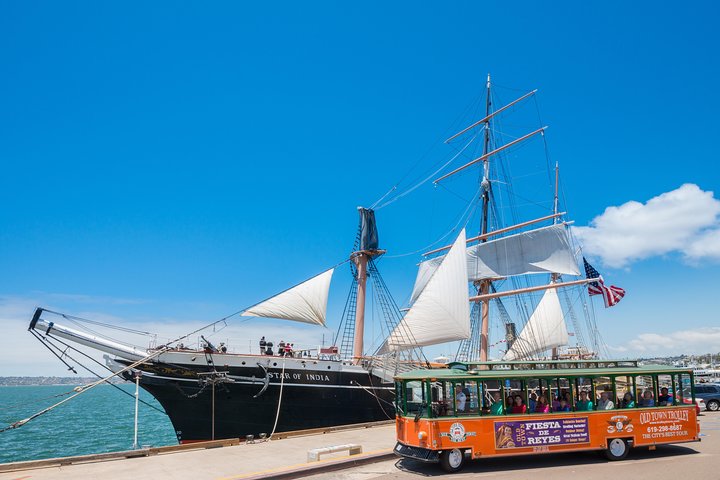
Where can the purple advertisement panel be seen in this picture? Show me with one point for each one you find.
(541, 433)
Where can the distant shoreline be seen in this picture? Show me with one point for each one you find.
(48, 381)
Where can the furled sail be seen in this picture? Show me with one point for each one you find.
(368, 230)
(543, 250)
(545, 330)
(306, 302)
(441, 312)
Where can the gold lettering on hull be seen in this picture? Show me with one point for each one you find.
(305, 377)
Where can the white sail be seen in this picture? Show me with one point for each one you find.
(545, 330)
(441, 312)
(306, 302)
(543, 250)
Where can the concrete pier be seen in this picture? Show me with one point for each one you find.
(285, 456)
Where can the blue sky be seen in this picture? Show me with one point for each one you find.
(169, 163)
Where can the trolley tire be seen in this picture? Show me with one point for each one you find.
(452, 460)
(713, 405)
(617, 449)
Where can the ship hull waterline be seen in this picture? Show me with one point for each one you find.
(313, 396)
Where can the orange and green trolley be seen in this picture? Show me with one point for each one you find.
(486, 409)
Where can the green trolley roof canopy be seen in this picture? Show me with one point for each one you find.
(541, 369)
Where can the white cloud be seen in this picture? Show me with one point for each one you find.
(697, 341)
(684, 220)
(705, 245)
(90, 299)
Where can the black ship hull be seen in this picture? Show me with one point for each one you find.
(233, 402)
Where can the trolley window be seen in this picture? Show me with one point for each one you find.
(646, 392)
(415, 398)
(493, 403)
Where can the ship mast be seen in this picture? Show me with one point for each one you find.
(367, 249)
(554, 277)
(484, 285)
(361, 261)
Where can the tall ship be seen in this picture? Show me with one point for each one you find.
(517, 281)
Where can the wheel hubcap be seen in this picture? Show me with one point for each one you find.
(455, 458)
(617, 447)
(714, 406)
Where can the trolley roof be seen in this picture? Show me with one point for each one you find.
(541, 369)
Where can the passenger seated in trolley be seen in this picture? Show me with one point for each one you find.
(605, 403)
(497, 407)
(532, 401)
(518, 406)
(647, 399)
(542, 405)
(628, 401)
(564, 407)
(584, 404)
(664, 398)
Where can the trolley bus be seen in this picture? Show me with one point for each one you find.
(486, 409)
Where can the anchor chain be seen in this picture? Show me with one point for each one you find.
(215, 377)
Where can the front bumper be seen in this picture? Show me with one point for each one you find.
(417, 453)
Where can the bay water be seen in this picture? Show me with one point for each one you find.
(98, 421)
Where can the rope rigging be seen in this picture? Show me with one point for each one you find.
(463, 219)
(94, 322)
(429, 177)
(473, 107)
(391, 306)
(377, 398)
(46, 341)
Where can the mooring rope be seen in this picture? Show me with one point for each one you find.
(376, 398)
(277, 414)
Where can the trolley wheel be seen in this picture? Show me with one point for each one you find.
(617, 449)
(452, 460)
(713, 405)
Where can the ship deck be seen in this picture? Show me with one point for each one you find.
(285, 456)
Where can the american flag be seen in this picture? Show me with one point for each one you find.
(611, 295)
